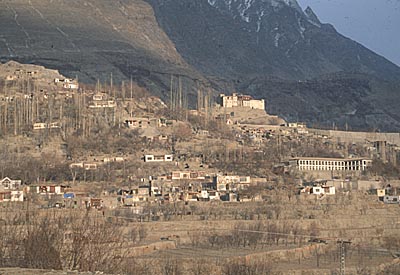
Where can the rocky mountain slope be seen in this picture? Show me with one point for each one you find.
(305, 69)
(241, 38)
(90, 39)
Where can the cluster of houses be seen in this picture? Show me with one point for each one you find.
(201, 186)
(198, 186)
(61, 195)
(180, 185)
(19, 73)
(96, 163)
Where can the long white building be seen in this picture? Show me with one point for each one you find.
(331, 164)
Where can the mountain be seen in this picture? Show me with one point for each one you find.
(91, 39)
(273, 49)
(253, 37)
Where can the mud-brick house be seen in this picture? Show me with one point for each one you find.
(233, 182)
(188, 175)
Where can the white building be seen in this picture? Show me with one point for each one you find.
(9, 184)
(331, 164)
(299, 127)
(323, 190)
(42, 126)
(46, 189)
(70, 85)
(39, 126)
(67, 83)
(17, 195)
(247, 101)
(13, 196)
(158, 158)
(137, 122)
(103, 104)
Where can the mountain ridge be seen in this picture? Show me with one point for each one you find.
(256, 25)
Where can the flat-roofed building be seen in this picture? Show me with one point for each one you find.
(158, 158)
(236, 100)
(331, 164)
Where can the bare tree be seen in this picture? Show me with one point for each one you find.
(171, 267)
(240, 267)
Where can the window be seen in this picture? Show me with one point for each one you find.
(168, 157)
(149, 158)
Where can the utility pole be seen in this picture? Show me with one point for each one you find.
(342, 254)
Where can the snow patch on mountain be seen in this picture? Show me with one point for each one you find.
(255, 12)
(252, 11)
(259, 21)
(312, 18)
(276, 39)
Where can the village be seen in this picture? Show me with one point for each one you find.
(121, 154)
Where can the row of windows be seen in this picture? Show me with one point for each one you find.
(324, 162)
(355, 165)
(330, 168)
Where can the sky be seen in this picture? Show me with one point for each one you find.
(373, 23)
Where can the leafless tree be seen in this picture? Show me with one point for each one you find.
(171, 267)
(240, 267)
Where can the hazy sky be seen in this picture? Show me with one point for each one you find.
(373, 23)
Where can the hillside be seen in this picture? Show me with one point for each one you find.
(115, 181)
(265, 48)
(90, 40)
